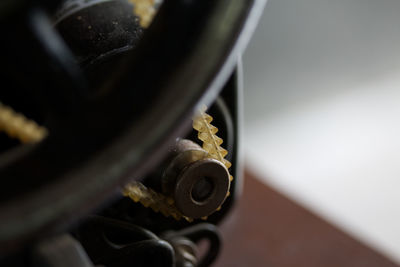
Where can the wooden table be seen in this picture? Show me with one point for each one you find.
(267, 229)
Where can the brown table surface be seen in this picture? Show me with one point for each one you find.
(268, 229)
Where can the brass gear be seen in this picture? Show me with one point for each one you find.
(211, 144)
(16, 125)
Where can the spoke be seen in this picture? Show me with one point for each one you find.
(63, 84)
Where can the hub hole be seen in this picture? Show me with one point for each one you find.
(202, 189)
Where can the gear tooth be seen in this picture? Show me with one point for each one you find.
(214, 154)
(151, 199)
(204, 116)
(197, 125)
(203, 108)
(223, 151)
(177, 216)
(144, 10)
(211, 142)
(203, 136)
(164, 212)
(125, 191)
(208, 146)
(219, 140)
(158, 202)
(227, 163)
(146, 202)
(16, 125)
(135, 198)
(213, 129)
(156, 208)
(170, 201)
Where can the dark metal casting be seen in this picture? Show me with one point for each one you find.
(197, 233)
(115, 243)
(59, 251)
(97, 144)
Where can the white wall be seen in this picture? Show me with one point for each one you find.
(322, 111)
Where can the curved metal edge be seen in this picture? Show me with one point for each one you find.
(69, 201)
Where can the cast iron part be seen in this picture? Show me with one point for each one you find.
(99, 33)
(225, 111)
(185, 252)
(115, 243)
(196, 233)
(198, 183)
(119, 136)
(60, 251)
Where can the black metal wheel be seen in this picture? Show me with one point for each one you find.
(105, 131)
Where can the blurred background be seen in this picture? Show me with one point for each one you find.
(322, 111)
